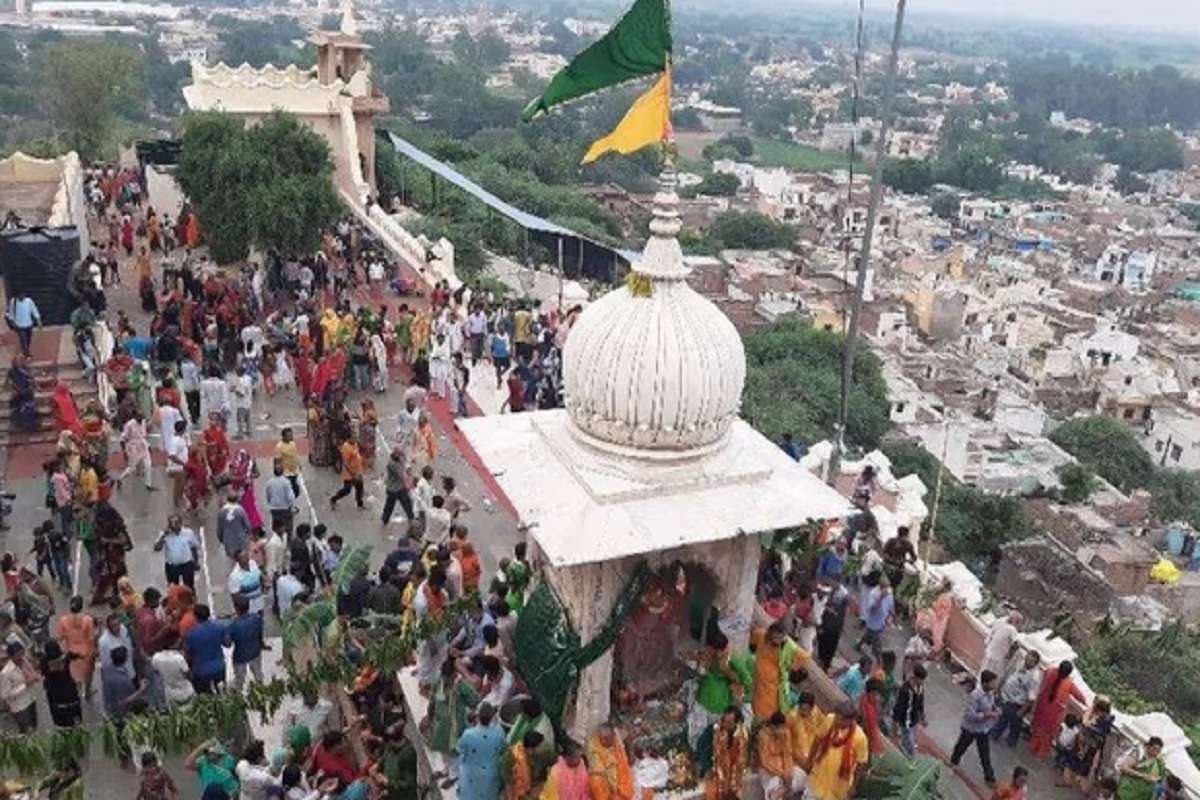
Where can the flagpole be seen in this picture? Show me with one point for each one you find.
(864, 259)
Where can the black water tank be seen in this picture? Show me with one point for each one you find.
(38, 262)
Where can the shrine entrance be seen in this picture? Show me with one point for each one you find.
(659, 655)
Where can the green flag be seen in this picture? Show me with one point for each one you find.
(638, 45)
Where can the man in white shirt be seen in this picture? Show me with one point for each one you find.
(19, 681)
(1000, 644)
(406, 424)
(246, 579)
(173, 671)
(167, 417)
(1017, 698)
(176, 448)
(287, 588)
(115, 635)
(437, 521)
(241, 388)
(214, 397)
(181, 552)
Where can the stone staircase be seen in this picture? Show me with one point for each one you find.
(46, 376)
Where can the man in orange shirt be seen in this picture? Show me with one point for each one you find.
(352, 474)
(778, 773)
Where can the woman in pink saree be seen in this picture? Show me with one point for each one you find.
(241, 477)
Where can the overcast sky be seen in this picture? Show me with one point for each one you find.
(1171, 15)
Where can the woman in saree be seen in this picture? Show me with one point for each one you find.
(216, 446)
(320, 451)
(112, 542)
(94, 444)
(454, 697)
(368, 424)
(1142, 771)
(1057, 690)
(726, 682)
(242, 473)
(196, 487)
(731, 756)
(66, 415)
(419, 333)
(23, 405)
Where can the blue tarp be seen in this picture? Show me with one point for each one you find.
(589, 250)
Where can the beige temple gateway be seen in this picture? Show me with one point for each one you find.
(649, 462)
(337, 99)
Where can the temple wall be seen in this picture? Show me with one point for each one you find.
(590, 590)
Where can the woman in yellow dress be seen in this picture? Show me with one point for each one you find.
(419, 333)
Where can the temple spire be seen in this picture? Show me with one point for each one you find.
(663, 257)
(349, 22)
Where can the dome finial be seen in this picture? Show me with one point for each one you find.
(663, 257)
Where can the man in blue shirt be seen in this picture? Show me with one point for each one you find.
(22, 315)
(794, 449)
(245, 633)
(205, 653)
(832, 562)
(854, 680)
(880, 605)
(978, 720)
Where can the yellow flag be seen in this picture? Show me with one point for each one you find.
(647, 121)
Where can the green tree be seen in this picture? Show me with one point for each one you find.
(945, 205)
(1175, 497)
(485, 52)
(719, 184)
(793, 379)
(269, 185)
(1129, 182)
(1109, 448)
(750, 230)
(1078, 482)
(975, 168)
(84, 82)
(908, 175)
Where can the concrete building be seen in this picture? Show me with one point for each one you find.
(1129, 269)
(339, 101)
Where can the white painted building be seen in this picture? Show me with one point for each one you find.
(1130, 269)
(1173, 437)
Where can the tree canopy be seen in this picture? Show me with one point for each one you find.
(793, 385)
(85, 83)
(268, 185)
(1109, 448)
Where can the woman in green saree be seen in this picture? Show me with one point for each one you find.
(1142, 771)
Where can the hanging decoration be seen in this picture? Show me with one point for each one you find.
(549, 653)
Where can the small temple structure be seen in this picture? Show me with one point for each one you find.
(645, 499)
(337, 99)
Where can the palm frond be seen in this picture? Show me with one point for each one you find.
(355, 560)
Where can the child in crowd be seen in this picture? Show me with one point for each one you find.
(1064, 744)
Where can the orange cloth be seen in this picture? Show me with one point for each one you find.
(766, 677)
(1050, 710)
(730, 754)
(352, 461)
(775, 751)
(806, 730)
(609, 775)
(520, 779)
(77, 632)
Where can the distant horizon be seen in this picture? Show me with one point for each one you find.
(1167, 17)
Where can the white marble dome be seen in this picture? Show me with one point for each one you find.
(660, 371)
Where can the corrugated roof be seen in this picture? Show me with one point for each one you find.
(522, 218)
